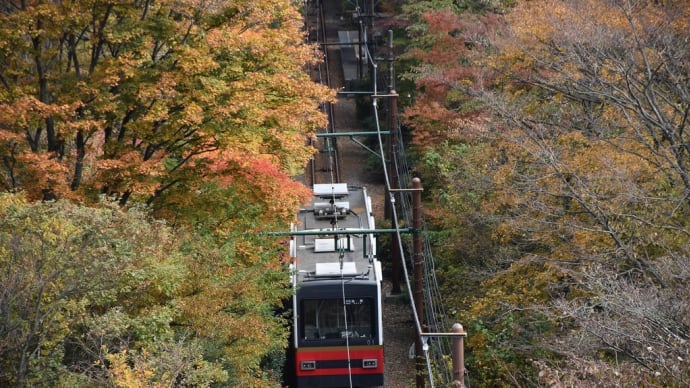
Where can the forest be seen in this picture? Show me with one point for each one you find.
(146, 144)
(552, 136)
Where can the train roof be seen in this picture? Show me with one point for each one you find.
(335, 236)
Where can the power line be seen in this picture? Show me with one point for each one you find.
(436, 318)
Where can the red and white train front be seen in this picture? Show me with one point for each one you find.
(338, 331)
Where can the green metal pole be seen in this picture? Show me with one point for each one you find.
(340, 232)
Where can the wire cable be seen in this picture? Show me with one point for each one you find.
(434, 312)
(347, 334)
(398, 235)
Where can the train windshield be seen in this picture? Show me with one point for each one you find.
(324, 319)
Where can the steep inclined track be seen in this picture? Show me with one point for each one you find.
(398, 323)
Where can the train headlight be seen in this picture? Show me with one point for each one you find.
(370, 363)
(308, 365)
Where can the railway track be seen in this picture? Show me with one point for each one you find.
(325, 166)
(341, 160)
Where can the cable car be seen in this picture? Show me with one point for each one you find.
(337, 322)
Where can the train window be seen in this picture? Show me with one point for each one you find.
(325, 319)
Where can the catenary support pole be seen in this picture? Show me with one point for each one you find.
(360, 72)
(392, 160)
(420, 363)
(458, 356)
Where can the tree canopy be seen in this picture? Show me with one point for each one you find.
(137, 98)
(144, 145)
(555, 138)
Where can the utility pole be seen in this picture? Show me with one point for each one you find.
(458, 356)
(418, 277)
(360, 37)
(392, 161)
(458, 335)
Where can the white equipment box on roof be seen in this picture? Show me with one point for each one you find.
(325, 190)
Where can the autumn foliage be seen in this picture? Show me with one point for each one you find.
(192, 112)
(554, 145)
(126, 99)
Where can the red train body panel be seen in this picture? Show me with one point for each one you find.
(366, 363)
